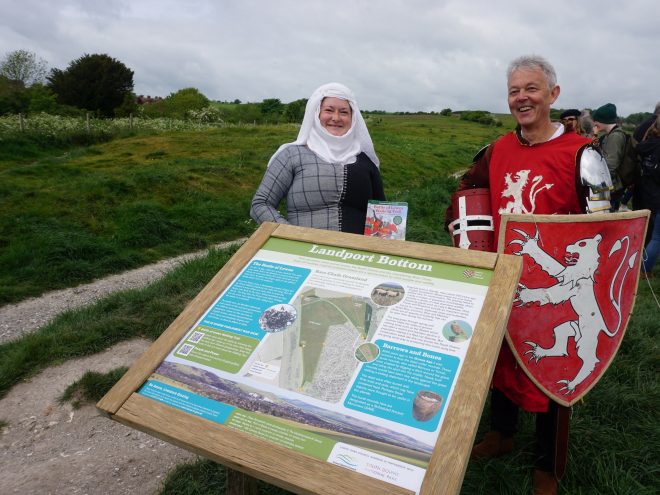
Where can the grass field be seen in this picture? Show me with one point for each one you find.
(71, 214)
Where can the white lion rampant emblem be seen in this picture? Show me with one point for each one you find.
(575, 283)
(514, 189)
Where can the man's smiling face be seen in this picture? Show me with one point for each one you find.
(530, 98)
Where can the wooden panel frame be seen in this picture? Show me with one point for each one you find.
(297, 472)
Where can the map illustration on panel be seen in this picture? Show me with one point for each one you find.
(316, 354)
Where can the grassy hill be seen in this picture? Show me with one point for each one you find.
(70, 216)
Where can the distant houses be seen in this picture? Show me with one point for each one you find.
(146, 100)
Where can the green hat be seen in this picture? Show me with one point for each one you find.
(605, 114)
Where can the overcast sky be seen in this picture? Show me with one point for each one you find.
(406, 55)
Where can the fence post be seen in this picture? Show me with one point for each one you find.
(21, 124)
(130, 121)
(87, 120)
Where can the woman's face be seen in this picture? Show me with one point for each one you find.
(335, 115)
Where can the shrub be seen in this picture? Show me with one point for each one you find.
(480, 116)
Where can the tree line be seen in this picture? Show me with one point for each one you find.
(92, 83)
(103, 86)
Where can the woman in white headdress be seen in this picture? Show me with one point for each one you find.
(328, 174)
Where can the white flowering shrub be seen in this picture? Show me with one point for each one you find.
(56, 125)
(208, 115)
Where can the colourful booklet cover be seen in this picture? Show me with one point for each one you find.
(386, 219)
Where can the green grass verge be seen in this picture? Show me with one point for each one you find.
(91, 387)
(24, 147)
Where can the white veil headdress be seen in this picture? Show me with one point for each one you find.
(333, 149)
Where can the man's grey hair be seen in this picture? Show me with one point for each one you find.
(657, 108)
(533, 62)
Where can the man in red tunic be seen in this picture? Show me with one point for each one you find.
(534, 169)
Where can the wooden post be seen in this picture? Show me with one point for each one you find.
(130, 121)
(87, 122)
(21, 124)
(240, 483)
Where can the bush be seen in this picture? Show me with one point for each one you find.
(177, 105)
(272, 110)
(207, 115)
(13, 96)
(480, 116)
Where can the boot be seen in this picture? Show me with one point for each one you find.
(494, 444)
(544, 483)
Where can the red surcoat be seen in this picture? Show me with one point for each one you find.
(534, 179)
(531, 179)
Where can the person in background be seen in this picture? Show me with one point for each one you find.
(646, 139)
(612, 141)
(562, 163)
(571, 120)
(587, 124)
(328, 174)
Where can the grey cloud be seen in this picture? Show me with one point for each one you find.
(395, 54)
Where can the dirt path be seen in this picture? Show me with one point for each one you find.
(51, 448)
(18, 319)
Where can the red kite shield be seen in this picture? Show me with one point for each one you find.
(575, 296)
